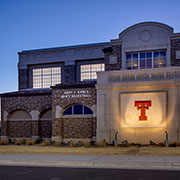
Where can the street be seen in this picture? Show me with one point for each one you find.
(56, 173)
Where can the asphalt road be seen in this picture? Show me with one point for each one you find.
(56, 173)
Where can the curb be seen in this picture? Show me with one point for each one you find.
(93, 164)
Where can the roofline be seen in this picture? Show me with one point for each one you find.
(65, 47)
(145, 23)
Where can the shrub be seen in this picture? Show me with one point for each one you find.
(4, 141)
(161, 144)
(178, 144)
(72, 143)
(124, 143)
(87, 144)
(101, 143)
(57, 143)
(19, 141)
(30, 142)
(173, 144)
(45, 143)
(80, 144)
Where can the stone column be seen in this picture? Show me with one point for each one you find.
(35, 126)
(57, 125)
(4, 126)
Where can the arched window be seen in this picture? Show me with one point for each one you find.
(20, 115)
(78, 109)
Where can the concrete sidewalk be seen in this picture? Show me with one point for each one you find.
(126, 162)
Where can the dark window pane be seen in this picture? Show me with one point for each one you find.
(135, 56)
(149, 63)
(128, 64)
(68, 111)
(128, 56)
(142, 55)
(156, 63)
(142, 64)
(156, 55)
(149, 55)
(78, 109)
(87, 110)
(162, 54)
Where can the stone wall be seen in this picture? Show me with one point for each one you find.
(116, 51)
(78, 127)
(23, 78)
(19, 129)
(69, 73)
(28, 103)
(45, 129)
(84, 127)
(175, 45)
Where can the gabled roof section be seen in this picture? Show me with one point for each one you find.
(146, 24)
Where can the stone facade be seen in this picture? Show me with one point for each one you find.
(23, 78)
(175, 45)
(116, 51)
(30, 102)
(73, 127)
(70, 73)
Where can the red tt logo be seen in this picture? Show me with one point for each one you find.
(142, 106)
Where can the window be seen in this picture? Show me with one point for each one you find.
(144, 60)
(88, 71)
(78, 109)
(46, 77)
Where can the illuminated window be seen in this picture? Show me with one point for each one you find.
(142, 60)
(46, 77)
(78, 109)
(89, 71)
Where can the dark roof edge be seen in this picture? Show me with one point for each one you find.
(83, 84)
(28, 92)
(65, 47)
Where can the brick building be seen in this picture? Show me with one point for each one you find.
(128, 85)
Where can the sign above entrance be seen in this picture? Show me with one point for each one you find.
(76, 94)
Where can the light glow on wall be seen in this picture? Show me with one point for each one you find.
(155, 115)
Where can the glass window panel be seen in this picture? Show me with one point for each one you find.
(68, 111)
(149, 63)
(149, 55)
(128, 64)
(162, 62)
(156, 55)
(163, 54)
(142, 64)
(46, 71)
(135, 64)
(78, 109)
(135, 57)
(87, 110)
(89, 71)
(128, 57)
(156, 63)
(142, 55)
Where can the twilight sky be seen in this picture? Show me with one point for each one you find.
(36, 24)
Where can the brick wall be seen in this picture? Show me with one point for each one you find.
(73, 127)
(27, 103)
(45, 129)
(78, 127)
(69, 73)
(115, 50)
(19, 129)
(175, 45)
(23, 78)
